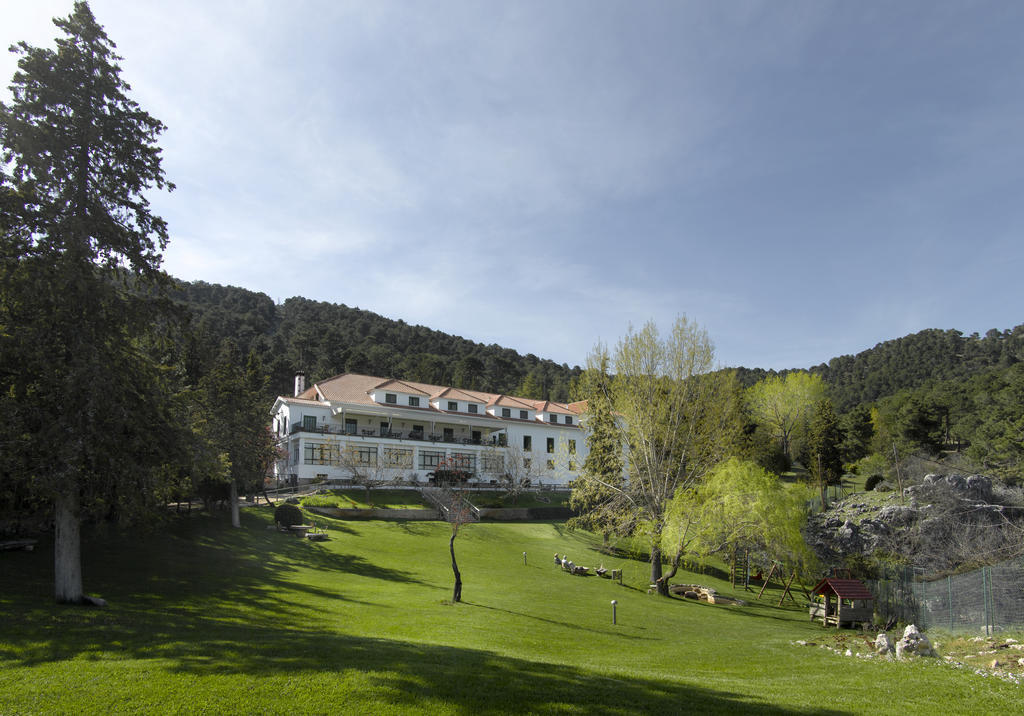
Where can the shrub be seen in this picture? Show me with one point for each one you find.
(873, 482)
(288, 515)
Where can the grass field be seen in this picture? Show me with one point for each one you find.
(411, 499)
(356, 499)
(203, 618)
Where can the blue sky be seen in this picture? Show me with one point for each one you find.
(805, 179)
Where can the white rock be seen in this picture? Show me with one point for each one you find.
(914, 643)
(883, 644)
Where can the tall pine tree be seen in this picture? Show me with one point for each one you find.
(79, 244)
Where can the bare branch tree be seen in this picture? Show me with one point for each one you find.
(369, 467)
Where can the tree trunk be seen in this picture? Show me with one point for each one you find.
(457, 592)
(235, 519)
(662, 581)
(67, 548)
(656, 569)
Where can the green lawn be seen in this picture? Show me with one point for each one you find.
(357, 499)
(203, 618)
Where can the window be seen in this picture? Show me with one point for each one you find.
(551, 445)
(430, 459)
(453, 405)
(568, 420)
(493, 463)
(572, 466)
(321, 454)
(385, 428)
(523, 415)
(464, 461)
(527, 442)
(550, 464)
(390, 398)
(309, 423)
(526, 463)
(414, 402)
(572, 447)
(365, 455)
(398, 457)
(351, 426)
(472, 407)
(552, 418)
(506, 412)
(476, 437)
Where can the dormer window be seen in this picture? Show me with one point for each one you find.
(453, 405)
(472, 407)
(552, 418)
(568, 420)
(523, 415)
(414, 402)
(506, 412)
(390, 398)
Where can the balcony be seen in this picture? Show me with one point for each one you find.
(389, 434)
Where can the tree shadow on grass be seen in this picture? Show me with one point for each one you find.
(407, 676)
(555, 622)
(196, 559)
(209, 607)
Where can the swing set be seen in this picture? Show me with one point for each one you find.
(739, 572)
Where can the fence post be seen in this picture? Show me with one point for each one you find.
(949, 604)
(984, 596)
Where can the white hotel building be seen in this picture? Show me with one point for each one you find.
(408, 429)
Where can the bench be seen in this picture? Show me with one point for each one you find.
(26, 544)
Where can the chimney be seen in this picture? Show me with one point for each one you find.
(300, 383)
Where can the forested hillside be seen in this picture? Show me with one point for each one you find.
(325, 339)
(917, 359)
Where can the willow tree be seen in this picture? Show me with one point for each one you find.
(80, 243)
(739, 505)
(676, 416)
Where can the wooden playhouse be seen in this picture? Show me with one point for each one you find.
(846, 601)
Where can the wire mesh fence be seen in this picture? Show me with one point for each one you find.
(986, 600)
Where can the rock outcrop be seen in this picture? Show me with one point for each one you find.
(966, 511)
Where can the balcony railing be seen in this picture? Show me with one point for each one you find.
(390, 434)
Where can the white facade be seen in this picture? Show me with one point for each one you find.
(405, 430)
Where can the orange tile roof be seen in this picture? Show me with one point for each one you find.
(546, 406)
(401, 386)
(508, 401)
(356, 388)
(304, 401)
(462, 395)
